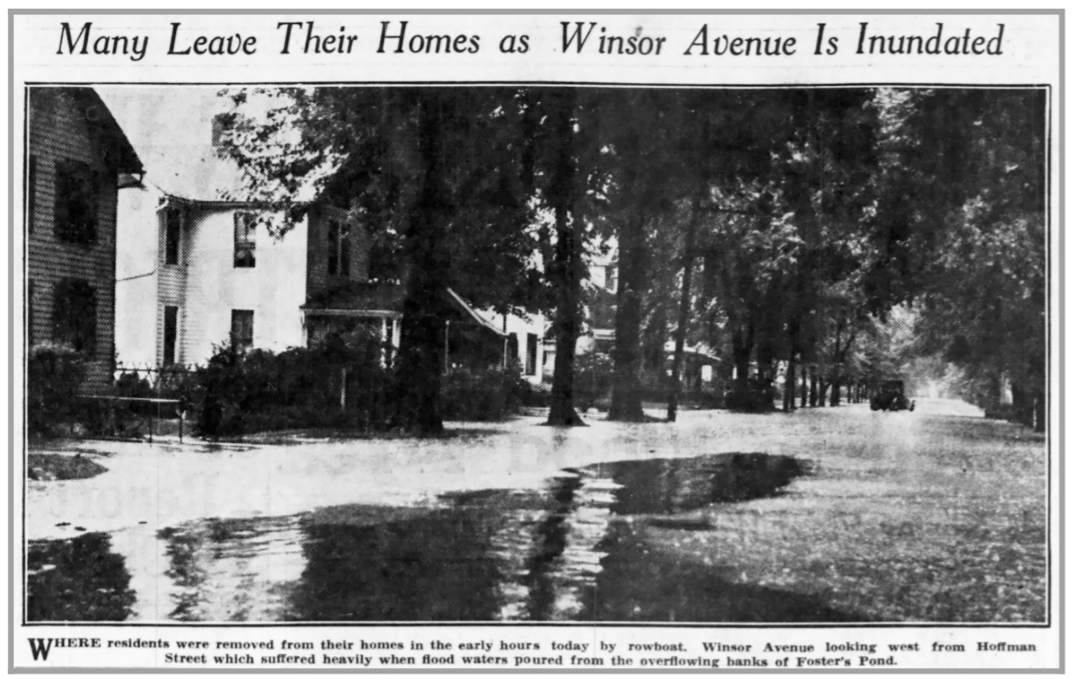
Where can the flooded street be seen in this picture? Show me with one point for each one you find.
(560, 553)
(712, 536)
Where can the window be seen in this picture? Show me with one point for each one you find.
(244, 239)
(168, 352)
(337, 249)
(75, 315)
(512, 352)
(172, 236)
(242, 336)
(75, 208)
(31, 192)
(531, 344)
(388, 339)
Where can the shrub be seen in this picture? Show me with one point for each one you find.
(53, 375)
(750, 400)
(593, 377)
(238, 393)
(482, 394)
(536, 396)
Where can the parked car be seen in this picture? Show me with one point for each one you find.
(888, 395)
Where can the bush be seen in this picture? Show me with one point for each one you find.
(536, 396)
(53, 376)
(485, 394)
(238, 393)
(751, 400)
(594, 374)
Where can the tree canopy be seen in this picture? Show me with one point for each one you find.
(778, 229)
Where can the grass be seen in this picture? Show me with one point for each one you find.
(56, 467)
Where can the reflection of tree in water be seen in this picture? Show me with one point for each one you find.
(76, 580)
(232, 570)
(559, 554)
(435, 567)
(636, 581)
(550, 538)
(568, 551)
(670, 486)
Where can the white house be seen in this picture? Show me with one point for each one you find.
(196, 269)
(194, 272)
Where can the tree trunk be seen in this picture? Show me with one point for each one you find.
(834, 397)
(566, 269)
(813, 388)
(789, 385)
(993, 396)
(1023, 406)
(626, 355)
(802, 403)
(1040, 410)
(742, 347)
(684, 310)
(418, 376)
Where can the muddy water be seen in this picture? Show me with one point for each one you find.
(568, 551)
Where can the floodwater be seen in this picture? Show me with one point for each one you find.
(575, 548)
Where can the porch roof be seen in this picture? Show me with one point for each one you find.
(386, 299)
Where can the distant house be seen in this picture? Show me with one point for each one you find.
(76, 154)
(198, 270)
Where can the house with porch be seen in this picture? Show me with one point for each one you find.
(76, 156)
(199, 268)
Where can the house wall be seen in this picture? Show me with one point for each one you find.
(273, 289)
(318, 250)
(522, 327)
(61, 129)
(172, 284)
(137, 278)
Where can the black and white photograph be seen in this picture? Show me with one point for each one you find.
(537, 353)
(485, 354)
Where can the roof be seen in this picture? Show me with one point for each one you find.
(358, 298)
(172, 128)
(197, 173)
(119, 150)
(472, 313)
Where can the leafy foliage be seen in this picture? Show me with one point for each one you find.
(53, 375)
(242, 393)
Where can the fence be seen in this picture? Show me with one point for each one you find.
(151, 398)
(130, 416)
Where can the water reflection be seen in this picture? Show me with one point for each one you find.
(80, 579)
(568, 551)
(236, 570)
(669, 486)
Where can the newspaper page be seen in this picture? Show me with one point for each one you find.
(723, 342)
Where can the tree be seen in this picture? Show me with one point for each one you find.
(962, 224)
(562, 188)
(434, 172)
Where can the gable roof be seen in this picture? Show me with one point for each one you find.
(172, 127)
(119, 152)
